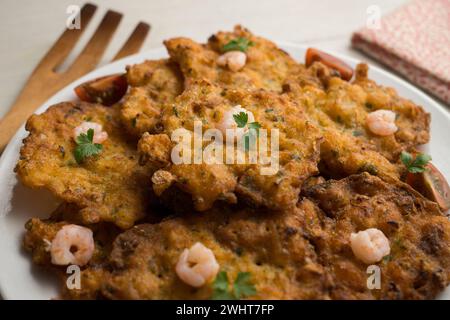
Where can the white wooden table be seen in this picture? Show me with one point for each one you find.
(28, 28)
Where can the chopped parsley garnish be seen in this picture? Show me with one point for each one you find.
(241, 288)
(239, 44)
(220, 287)
(241, 120)
(247, 139)
(86, 146)
(370, 168)
(254, 125)
(175, 111)
(416, 165)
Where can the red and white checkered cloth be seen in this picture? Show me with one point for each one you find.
(414, 40)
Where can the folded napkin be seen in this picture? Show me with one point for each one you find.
(414, 40)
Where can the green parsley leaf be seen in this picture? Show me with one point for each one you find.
(247, 141)
(242, 285)
(406, 158)
(422, 160)
(175, 111)
(413, 169)
(221, 281)
(86, 147)
(251, 134)
(418, 164)
(254, 125)
(241, 119)
(220, 287)
(240, 44)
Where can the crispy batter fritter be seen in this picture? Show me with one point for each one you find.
(412, 121)
(109, 187)
(340, 108)
(40, 233)
(153, 85)
(267, 65)
(206, 103)
(37, 241)
(302, 253)
(269, 246)
(294, 238)
(418, 266)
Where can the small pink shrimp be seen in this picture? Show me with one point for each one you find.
(370, 246)
(72, 245)
(197, 265)
(99, 134)
(381, 122)
(234, 60)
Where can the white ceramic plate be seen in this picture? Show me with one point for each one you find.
(20, 280)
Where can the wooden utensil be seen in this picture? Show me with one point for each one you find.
(45, 81)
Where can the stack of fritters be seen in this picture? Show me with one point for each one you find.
(290, 230)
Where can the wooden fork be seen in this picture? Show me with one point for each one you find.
(45, 81)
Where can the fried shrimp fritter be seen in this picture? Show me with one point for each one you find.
(267, 66)
(292, 233)
(153, 85)
(341, 152)
(341, 108)
(207, 105)
(38, 240)
(281, 262)
(111, 186)
(418, 266)
(40, 234)
(412, 121)
(303, 253)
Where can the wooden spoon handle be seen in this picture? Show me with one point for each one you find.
(24, 106)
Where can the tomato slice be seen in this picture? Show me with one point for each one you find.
(313, 55)
(432, 184)
(105, 90)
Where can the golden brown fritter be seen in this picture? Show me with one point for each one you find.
(269, 246)
(293, 247)
(153, 85)
(342, 152)
(413, 121)
(303, 253)
(300, 254)
(206, 103)
(40, 233)
(418, 266)
(341, 108)
(37, 241)
(109, 187)
(267, 65)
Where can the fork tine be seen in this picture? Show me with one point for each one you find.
(65, 43)
(134, 42)
(93, 51)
